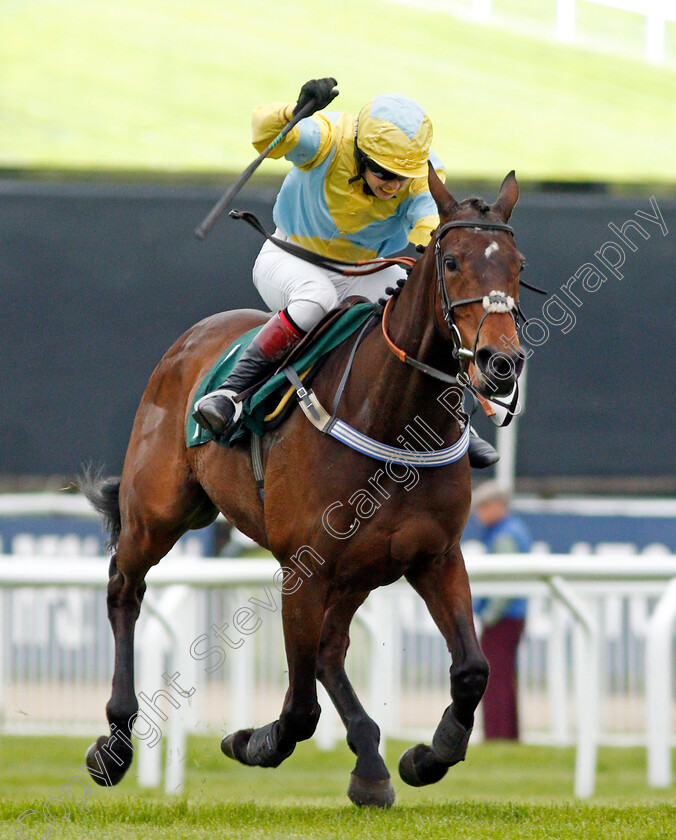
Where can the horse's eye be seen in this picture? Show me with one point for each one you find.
(450, 262)
(522, 266)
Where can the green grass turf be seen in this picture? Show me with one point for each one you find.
(170, 85)
(501, 791)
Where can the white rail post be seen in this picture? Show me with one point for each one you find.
(181, 720)
(242, 677)
(160, 637)
(151, 650)
(586, 669)
(481, 10)
(557, 672)
(565, 20)
(506, 438)
(587, 703)
(654, 31)
(658, 676)
(4, 653)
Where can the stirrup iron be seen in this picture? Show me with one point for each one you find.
(226, 392)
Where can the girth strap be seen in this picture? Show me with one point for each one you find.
(257, 463)
(346, 434)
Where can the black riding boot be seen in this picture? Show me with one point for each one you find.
(217, 412)
(481, 453)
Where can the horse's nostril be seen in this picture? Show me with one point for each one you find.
(496, 365)
(502, 366)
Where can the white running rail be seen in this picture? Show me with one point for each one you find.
(580, 587)
(657, 14)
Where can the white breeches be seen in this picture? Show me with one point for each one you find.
(307, 291)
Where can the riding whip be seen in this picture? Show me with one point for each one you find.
(205, 225)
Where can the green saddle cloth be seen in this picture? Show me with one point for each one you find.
(260, 403)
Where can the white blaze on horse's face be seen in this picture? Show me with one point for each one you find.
(492, 248)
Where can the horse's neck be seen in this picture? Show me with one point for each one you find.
(392, 393)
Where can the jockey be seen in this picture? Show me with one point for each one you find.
(358, 190)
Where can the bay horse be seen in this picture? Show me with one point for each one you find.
(458, 303)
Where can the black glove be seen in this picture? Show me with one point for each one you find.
(320, 90)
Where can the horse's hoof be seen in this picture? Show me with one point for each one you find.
(366, 794)
(234, 745)
(418, 766)
(102, 768)
(262, 749)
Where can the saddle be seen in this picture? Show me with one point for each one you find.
(268, 403)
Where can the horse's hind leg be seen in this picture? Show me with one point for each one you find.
(444, 586)
(370, 780)
(148, 532)
(109, 757)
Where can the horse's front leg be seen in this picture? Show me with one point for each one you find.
(370, 780)
(109, 758)
(303, 618)
(444, 587)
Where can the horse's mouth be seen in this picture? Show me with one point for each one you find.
(491, 388)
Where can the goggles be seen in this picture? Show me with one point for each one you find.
(383, 174)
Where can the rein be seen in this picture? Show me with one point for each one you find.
(496, 301)
(329, 424)
(408, 360)
(349, 269)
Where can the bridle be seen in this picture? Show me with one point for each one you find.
(495, 301)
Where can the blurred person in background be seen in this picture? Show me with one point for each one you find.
(502, 619)
(357, 190)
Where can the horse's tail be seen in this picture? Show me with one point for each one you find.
(103, 494)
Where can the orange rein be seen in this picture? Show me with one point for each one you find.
(398, 352)
(401, 355)
(378, 265)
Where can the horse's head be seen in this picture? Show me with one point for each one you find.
(477, 267)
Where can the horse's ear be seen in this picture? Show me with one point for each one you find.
(445, 202)
(507, 197)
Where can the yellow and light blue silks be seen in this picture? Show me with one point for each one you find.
(320, 209)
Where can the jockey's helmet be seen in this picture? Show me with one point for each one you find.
(396, 133)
